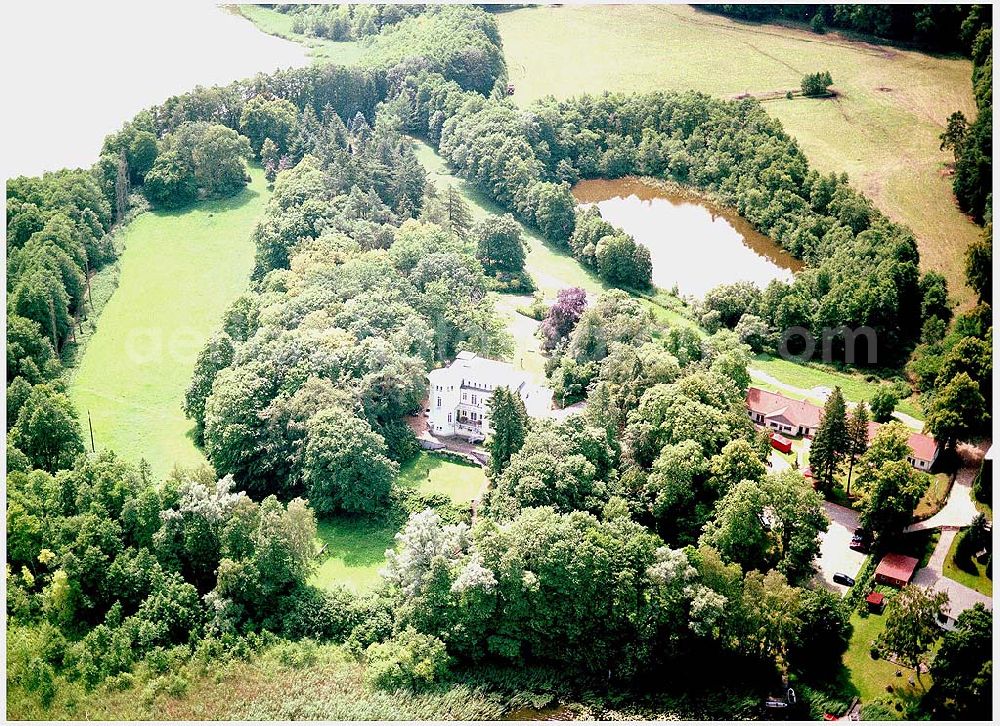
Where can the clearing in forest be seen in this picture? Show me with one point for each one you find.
(882, 128)
(179, 272)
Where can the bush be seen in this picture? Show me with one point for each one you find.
(309, 612)
(408, 660)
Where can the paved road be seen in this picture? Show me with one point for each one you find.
(835, 553)
(958, 511)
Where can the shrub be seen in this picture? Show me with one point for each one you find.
(409, 660)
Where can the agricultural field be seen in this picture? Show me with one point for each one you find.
(882, 128)
(178, 273)
(320, 50)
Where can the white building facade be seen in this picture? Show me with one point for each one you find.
(459, 395)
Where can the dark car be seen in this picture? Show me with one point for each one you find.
(842, 579)
(859, 544)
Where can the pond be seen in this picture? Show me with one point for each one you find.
(693, 243)
(131, 56)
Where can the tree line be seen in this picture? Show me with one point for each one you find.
(942, 28)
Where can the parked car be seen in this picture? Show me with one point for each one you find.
(842, 579)
(859, 544)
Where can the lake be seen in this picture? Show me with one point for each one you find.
(100, 64)
(693, 243)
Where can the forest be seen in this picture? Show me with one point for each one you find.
(644, 536)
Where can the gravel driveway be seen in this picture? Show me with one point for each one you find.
(835, 553)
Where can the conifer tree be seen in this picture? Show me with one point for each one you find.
(509, 421)
(830, 443)
(857, 439)
(459, 218)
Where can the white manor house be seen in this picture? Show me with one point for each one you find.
(460, 392)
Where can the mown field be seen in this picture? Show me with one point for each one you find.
(178, 273)
(882, 128)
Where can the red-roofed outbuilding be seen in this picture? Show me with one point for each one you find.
(896, 570)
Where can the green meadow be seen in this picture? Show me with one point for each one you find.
(179, 271)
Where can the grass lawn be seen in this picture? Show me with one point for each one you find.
(798, 375)
(871, 676)
(973, 574)
(436, 474)
(355, 550)
(935, 496)
(320, 50)
(179, 272)
(882, 128)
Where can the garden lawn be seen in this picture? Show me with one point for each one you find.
(438, 474)
(935, 497)
(977, 580)
(871, 676)
(320, 50)
(355, 551)
(178, 273)
(882, 128)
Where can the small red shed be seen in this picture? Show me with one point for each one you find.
(780, 443)
(876, 602)
(896, 570)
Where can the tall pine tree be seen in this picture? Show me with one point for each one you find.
(830, 443)
(457, 212)
(509, 421)
(857, 439)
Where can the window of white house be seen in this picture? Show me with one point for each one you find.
(464, 396)
(439, 402)
(473, 400)
(449, 418)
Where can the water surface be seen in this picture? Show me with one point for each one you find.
(78, 71)
(693, 243)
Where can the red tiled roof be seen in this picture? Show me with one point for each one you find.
(774, 405)
(896, 567)
(923, 446)
(875, 598)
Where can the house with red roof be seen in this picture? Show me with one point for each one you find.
(896, 570)
(924, 448)
(783, 414)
